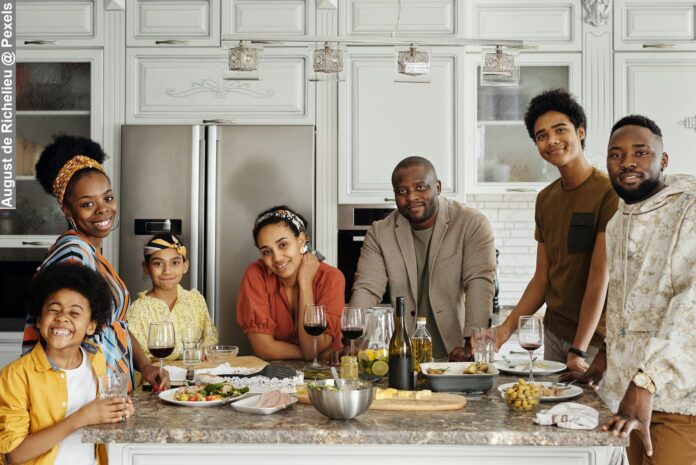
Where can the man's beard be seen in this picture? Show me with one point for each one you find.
(638, 194)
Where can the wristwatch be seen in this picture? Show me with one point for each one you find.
(642, 380)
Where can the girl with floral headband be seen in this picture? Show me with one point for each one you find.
(71, 170)
(166, 264)
(276, 289)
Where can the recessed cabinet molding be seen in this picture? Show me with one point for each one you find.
(660, 86)
(548, 24)
(185, 86)
(418, 17)
(382, 122)
(268, 17)
(173, 22)
(642, 24)
(72, 23)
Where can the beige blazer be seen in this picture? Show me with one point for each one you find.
(461, 263)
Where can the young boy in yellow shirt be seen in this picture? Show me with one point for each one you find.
(51, 392)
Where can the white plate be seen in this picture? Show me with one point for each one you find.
(168, 396)
(248, 405)
(519, 367)
(568, 393)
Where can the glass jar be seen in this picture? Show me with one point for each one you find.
(349, 367)
(373, 356)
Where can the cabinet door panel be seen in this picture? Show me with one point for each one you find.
(549, 25)
(642, 24)
(421, 17)
(171, 86)
(265, 17)
(660, 86)
(155, 22)
(382, 121)
(65, 23)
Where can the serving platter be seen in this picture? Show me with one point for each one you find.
(519, 367)
(168, 396)
(567, 393)
(248, 405)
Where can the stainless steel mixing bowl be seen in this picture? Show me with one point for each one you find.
(341, 404)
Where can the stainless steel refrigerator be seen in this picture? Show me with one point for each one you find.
(208, 184)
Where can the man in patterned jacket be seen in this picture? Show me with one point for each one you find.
(649, 365)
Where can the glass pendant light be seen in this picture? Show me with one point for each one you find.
(412, 65)
(500, 67)
(245, 61)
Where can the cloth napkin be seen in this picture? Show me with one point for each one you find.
(569, 415)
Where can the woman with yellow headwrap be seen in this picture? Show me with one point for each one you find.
(71, 170)
(166, 264)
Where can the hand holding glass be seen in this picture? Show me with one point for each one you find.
(531, 334)
(160, 341)
(315, 324)
(352, 324)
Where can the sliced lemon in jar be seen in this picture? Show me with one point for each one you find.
(380, 368)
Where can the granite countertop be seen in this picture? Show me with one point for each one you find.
(486, 420)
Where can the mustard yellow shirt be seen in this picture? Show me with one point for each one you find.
(190, 311)
(33, 397)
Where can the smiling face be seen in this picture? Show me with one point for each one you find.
(416, 189)
(280, 249)
(65, 319)
(166, 268)
(557, 139)
(635, 161)
(92, 206)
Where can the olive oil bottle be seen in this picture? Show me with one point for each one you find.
(400, 352)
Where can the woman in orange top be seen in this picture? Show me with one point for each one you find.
(276, 289)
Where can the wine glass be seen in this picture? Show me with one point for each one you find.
(352, 324)
(531, 334)
(160, 341)
(314, 325)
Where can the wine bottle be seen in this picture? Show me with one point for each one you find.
(400, 351)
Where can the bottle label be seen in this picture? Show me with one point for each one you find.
(401, 373)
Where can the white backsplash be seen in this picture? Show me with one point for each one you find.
(512, 219)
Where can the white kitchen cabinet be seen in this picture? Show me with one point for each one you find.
(60, 23)
(660, 85)
(501, 157)
(418, 17)
(178, 23)
(10, 347)
(649, 25)
(268, 17)
(187, 86)
(381, 122)
(548, 25)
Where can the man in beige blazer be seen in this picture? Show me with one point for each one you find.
(435, 252)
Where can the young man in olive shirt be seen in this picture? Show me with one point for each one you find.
(571, 215)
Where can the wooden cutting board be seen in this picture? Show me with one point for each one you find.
(438, 401)
(245, 361)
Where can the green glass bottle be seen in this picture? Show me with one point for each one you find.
(400, 351)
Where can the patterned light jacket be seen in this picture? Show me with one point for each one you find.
(651, 304)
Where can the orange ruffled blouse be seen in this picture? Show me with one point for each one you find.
(263, 308)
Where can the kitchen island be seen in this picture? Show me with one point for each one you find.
(485, 432)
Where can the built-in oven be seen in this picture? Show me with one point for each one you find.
(17, 268)
(353, 223)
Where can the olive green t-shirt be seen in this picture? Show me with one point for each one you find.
(567, 223)
(421, 243)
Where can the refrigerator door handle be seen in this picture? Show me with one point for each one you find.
(210, 225)
(195, 202)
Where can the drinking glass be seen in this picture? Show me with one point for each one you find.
(160, 341)
(113, 384)
(315, 325)
(352, 324)
(192, 346)
(484, 345)
(530, 334)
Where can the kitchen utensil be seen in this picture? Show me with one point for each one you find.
(455, 380)
(565, 385)
(337, 380)
(341, 404)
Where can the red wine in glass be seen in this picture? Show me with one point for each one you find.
(314, 330)
(530, 333)
(530, 346)
(352, 332)
(161, 352)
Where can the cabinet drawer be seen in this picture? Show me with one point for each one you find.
(647, 25)
(59, 23)
(173, 22)
(266, 17)
(550, 25)
(418, 17)
(170, 86)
